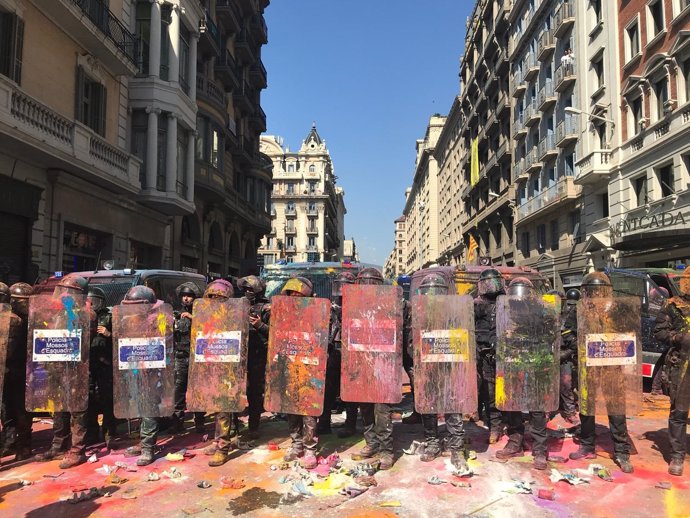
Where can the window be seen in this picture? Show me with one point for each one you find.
(569, 165)
(603, 204)
(640, 185)
(312, 168)
(291, 168)
(685, 67)
(184, 59)
(576, 229)
(665, 176)
(541, 238)
(555, 234)
(638, 119)
(661, 95)
(143, 30)
(312, 242)
(524, 244)
(312, 186)
(498, 234)
(598, 67)
(216, 150)
(139, 139)
(655, 18)
(679, 6)
(162, 144)
(91, 101)
(290, 242)
(632, 41)
(290, 208)
(11, 45)
(596, 8)
(181, 162)
(166, 17)
(290, 188)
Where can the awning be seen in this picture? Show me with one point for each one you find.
(598, 240)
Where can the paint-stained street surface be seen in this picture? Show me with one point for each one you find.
(257, 483)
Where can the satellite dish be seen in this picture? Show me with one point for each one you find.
(108, 264)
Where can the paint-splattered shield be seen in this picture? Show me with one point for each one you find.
(527, 353)
(371, 344)
(297, 354)
(680, 393)
(445, 370)
(5, 316)
(609, 354)
(57, 366)
(218, 359)
(143, 369)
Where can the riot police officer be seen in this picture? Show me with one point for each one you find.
(101, 369)
(186, 293)
(435, 284)
(16, 421)
(69, 429)
(490, 285)
(598, 285)
(672, 329)
(522, 288)
(227, 423)
(302, 427)
(378, 425)
(568, 398)
(150, 426)
(332, 388)
(259, 320)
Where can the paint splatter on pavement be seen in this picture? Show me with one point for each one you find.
(403, 491)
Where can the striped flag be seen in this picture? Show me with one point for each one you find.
(472, 250)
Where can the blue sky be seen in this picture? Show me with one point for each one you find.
(370, 73)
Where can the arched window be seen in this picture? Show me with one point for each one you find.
(312, 168)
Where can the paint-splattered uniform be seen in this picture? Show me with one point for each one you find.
(332, 368)
(673, 328)
(485, 328)
(16, 421)
(101, 378)
(256, 362)
(182, 337)
(568, 398)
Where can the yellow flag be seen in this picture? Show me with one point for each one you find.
(472, 250)
(474, 163)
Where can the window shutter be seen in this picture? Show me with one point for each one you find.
(18, 50)
(79, 95)
(103, 102)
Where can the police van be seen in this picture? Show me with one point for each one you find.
(116, 283)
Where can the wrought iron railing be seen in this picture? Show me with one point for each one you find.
(97, 11)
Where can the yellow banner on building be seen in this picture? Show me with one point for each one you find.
(474, 163)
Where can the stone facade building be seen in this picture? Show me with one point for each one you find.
(99, 125)
(307, 207)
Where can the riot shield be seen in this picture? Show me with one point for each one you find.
(680, 393)
(445, 369)
(371, 369)
(609, 354)
(528, 353)
(297, 354)
(57, 366)
(218, 358)
(5, 317)
(143, 367)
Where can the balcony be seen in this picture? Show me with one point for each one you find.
(503, 13)
(547, 148)
(502, 103)
(547, 96)
(290, 231)
(244, 48)
(227, 13)
(258, 119)
(207, 90)
(565, 76)
(312, 229)
(518, 85)
(312, 211)
(209, 182)
(258, 27)
(226, 70)
(530, 67)
(532, 114)
(532, 162)
(242, 99)
(567, 131)
(594, 167)
(290, 211)
(91, 24)
(519, 171)
(209, 37)
(548, 200)
(35, 130)
(546, 46)
(257, 75)
(564, 19)
(503, 151)
(519, 128)
(290, 248)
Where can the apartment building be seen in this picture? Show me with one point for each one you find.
(649, 211)
(421, 212)
(232, 178)
(486, 189)
(307, 207)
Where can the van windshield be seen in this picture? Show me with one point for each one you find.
(114, 287)
(320, 279)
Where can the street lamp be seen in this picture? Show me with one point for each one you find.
(572, 109)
